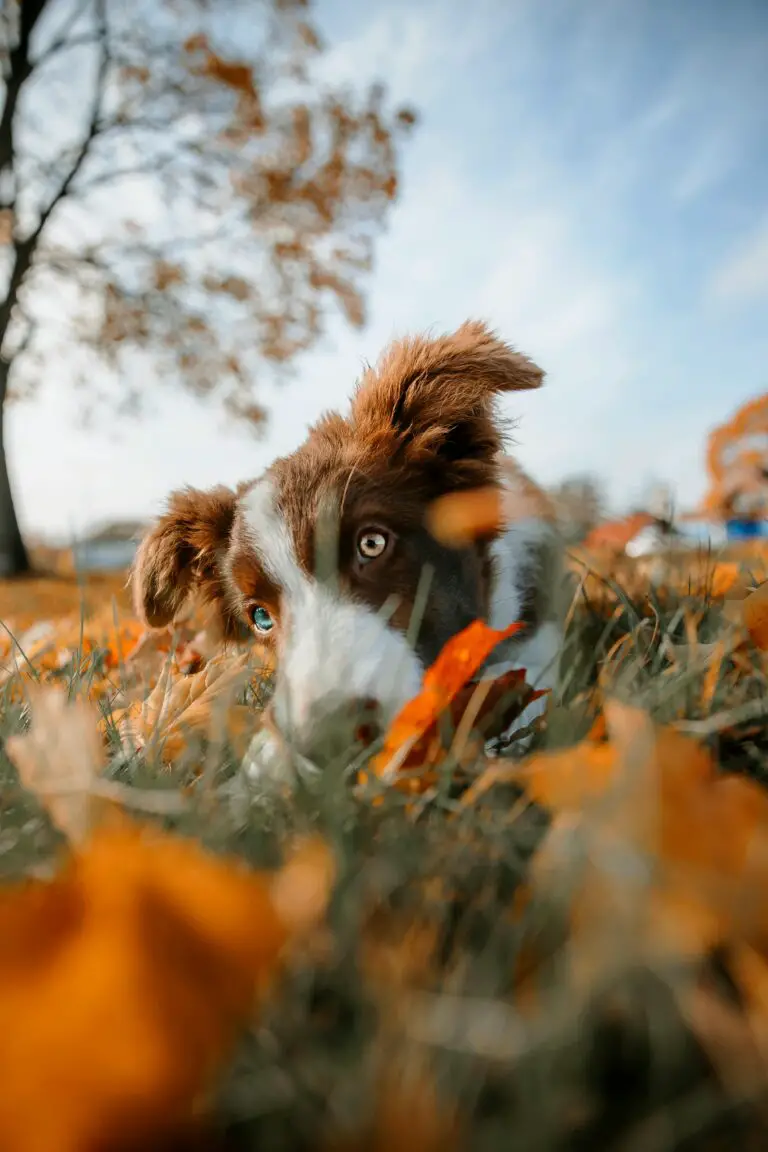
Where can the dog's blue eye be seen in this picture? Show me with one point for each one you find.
(262, 621)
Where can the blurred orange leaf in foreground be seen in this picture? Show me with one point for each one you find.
(755, 609)
(414, 738)
(459, 518)
(125, 980)
(651, 794)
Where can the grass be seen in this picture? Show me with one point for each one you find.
(405, 1024)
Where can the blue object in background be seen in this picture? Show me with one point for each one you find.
(745, 529)
(104, 555)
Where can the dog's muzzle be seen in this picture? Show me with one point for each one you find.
(335, 730)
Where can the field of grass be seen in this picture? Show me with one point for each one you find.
(561, 951)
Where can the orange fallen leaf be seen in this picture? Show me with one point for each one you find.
(755, 609)
(458, 519)
(566, 780)
(726, 577)
(659, 850)
(687, 796)
(414, 738)
(125, 980)
(462, 657)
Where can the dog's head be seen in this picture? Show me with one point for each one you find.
(327, 556)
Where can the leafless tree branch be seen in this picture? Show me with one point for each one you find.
(152, 166)
(20, 68)
(24, 250)
(31, 329)
(64, 39)
(65, 44)
(93, 124)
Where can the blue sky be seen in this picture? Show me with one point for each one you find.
(591, 177)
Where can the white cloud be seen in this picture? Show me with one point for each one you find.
(415, 47)
(744, 274)
(395, 47)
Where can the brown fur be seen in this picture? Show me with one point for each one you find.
(429, 403)
(182, 554)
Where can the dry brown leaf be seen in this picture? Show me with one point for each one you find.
(199, 704)
(414, 739)
(60, 758)
(151, 653)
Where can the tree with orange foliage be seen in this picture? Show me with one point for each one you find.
(737, 465)
(178, 184)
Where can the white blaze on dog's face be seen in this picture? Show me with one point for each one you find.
(422, 423)
(334, 651)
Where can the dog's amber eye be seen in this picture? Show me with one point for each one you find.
(371, 544)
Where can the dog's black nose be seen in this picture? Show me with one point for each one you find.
(369, 727)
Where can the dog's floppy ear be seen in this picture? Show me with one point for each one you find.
(431, 401)
(181, 554)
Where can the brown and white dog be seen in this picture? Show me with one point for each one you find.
(422, 424)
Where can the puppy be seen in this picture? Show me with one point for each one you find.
(327, 557)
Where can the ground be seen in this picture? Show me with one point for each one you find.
(559, 951)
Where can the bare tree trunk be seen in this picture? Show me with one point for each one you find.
(14, 559)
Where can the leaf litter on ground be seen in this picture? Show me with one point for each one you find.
(534, 890)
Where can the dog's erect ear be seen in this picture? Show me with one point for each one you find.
(181, 554)
(432, 400)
